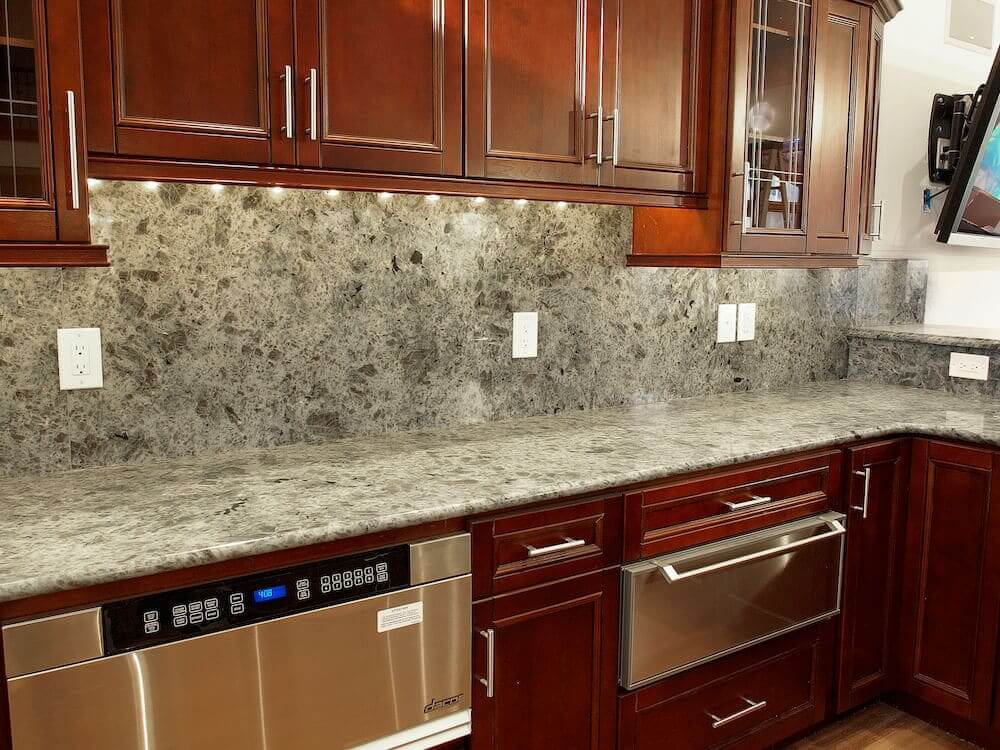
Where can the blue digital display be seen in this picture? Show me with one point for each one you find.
(269, 594)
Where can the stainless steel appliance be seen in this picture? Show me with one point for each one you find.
(692, 606)
(368, 651)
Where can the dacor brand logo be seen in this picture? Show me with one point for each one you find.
(437, 704)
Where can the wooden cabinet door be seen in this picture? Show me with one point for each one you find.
(43, 195)
(532, 85)
(655, 81)
(871, 206)
(952, 578)
(388, 85)
(838, 127)
(554, 658)
(188, 79)
(878, 477)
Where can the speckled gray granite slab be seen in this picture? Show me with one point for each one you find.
(91, 526)
(986, 338)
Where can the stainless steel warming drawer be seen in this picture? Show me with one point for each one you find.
(365, 651)
(692, 606)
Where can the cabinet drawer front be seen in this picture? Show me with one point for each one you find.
(756, 698)
(524, 549)
(694, 511)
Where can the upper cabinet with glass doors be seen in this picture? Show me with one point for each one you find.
(43, 190)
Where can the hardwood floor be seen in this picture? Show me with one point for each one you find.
(881, 727)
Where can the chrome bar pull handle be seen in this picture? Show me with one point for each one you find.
(74, 158)
(568, 543)
(876, 234)
(615, 136)
(313, 81)
(599, 151)
(490, 636)
(867, 474)
(289, 127)
(672, 575)
(752, 706)
(753, 502)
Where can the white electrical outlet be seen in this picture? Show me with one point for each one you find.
(80, 360)
(525, 335)
(971, 366)
(727, 324)
(746, 325)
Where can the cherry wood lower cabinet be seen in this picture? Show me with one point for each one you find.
(877, 475)
(753, 699)
(951, 579)
(545, 666)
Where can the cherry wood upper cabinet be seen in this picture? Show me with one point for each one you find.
(43, 183)
(554, 667)
(381, 85)
(188, 79)
(951, 584)
(655, 82)
(878, 476)
(532, 84)
(838, 127)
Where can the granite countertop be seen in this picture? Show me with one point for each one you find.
(87, 527)
(976, 338)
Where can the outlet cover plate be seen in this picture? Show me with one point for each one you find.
(525, 335)
(746, 325)
(970, 366)
(727, 324)
(81, 364)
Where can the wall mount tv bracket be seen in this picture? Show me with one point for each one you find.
(951, 116)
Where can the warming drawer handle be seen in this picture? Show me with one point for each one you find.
(569, 543)
(751, 707)
(753, 502)
(671, 574)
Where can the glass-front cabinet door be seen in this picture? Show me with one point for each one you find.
(774, 47)
(43, 195)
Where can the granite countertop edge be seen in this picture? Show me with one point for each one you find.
(887, 333)
(153, 564)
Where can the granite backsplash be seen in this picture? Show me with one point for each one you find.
(251, 317)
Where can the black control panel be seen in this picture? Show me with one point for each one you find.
(185, 613)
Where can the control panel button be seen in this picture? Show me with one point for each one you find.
(382, 577)
(180, 621)
(302, 584)
(195, 607)
(151, 616)
(211, 614)
(236, 598)
(151, 628)
(237, 609)
(212, 603)
(179, 609)
(302, 595)
(197, 618)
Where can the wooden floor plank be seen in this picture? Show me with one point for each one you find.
(881, 727)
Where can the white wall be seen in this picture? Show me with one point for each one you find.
(963, 283)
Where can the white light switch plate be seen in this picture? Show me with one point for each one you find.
(727, 324)
(525, 335)
(81, 363)
(746, 326)
(971, 366)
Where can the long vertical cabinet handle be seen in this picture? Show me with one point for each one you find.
(876, 234)
(867, 474)
(599, 151)
(615, 133)
(490, 636)
(74, 159)
(313, 81)
(289, 126)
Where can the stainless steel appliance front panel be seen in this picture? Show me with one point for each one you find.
(687, 608)
(441, 558)
(325, 679)
(53, 642)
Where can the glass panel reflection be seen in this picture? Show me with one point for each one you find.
(21, 165)
(777, 112)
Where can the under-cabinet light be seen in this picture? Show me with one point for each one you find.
(561, 205)
(152, 186)
(217, 188)
(333, 193)
(384, 196)
(277, 190)
(93, 183)
(479, 200)
(521, 202)
(433, 198)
